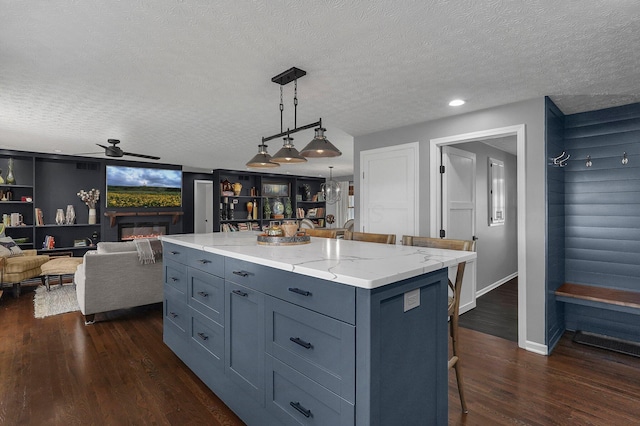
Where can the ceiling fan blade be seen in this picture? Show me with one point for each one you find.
(150, 157)
(102, 146)
(89, 153)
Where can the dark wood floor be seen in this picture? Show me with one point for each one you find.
(496, 312)
(57, 371)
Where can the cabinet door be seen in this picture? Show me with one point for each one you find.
(244, 339)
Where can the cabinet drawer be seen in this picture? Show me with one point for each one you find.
(320, 347)
(298, 400)
(208, 338)
(207, 262)
(175, 310)
(174, 252)
(206, 294)
(332, 299)
(175, 276)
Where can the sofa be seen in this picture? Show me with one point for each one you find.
(113, 277)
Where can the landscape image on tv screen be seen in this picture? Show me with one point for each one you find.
(143, 187)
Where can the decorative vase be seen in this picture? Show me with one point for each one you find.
(290, 228)
(249, 210)
(237, 189)
(255, 210)
(10, 180)
(92, 216)
(60, 217)
(71, 215)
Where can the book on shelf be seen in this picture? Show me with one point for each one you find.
(49, 242)
(39, 217)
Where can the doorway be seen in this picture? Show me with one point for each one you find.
(202, 206)
(519, 132)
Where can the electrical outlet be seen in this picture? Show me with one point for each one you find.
(411, 299)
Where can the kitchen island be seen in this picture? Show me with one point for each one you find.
(332, 332)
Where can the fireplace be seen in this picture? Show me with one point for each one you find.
(132, 231)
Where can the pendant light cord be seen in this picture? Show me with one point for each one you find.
(281, 109)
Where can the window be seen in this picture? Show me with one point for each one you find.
(497, 203)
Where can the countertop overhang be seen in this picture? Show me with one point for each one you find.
(359, 264)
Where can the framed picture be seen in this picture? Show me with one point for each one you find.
(80, 243)
(275, 189)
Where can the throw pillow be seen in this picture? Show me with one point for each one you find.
(9, 248)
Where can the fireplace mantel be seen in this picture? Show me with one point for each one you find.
(113, 215)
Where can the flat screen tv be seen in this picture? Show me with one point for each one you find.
(143, 187)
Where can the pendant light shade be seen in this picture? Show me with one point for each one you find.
(320, 146)
(288, 154)
(262, 159)
(331, 189)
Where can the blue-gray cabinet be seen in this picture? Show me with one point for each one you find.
(280, 348)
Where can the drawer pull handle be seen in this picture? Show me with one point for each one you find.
(173, 315)
(174, 279)
(301, 342)
(241, 273)
(301, 409)
(240, 293)
(299, 291)
(203, 294)
(203, 336)
(174, 253)
(204, 261)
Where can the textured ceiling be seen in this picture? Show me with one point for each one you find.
(190, 80)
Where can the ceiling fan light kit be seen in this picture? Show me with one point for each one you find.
(319, 147)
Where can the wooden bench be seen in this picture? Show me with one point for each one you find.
(602, 297)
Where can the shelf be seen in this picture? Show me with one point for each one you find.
(68, 226)
(113, 215)
(4, 185)
(15, 202)
(57, 249)
(310, 202)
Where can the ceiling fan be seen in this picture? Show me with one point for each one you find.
(115, 151)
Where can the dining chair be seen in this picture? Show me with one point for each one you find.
(453, 300)
(370, 237)
(320, 232)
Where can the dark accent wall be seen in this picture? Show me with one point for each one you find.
(602, 213)
(554, 146)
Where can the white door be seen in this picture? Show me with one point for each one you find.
(458, 217)
(389, 188)
(202, 206)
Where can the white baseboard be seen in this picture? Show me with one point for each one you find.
(466, 307)
(537, 348)
(496, 284)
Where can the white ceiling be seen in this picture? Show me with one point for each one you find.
(190, 80)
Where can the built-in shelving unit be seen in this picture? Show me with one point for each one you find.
(232, 212)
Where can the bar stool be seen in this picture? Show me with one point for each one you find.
(324, 233)
(454, 300)
(370, 237)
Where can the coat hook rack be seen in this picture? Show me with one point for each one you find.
(561, 160)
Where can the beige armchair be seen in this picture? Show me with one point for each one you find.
(19, 268)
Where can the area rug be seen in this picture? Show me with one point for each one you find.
(57, 301)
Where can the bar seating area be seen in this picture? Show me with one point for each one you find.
(454, 298)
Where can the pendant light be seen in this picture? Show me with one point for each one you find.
(318, 147)
(288, 154)
(262, 159)
(331, 189)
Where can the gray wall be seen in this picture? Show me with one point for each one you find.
(532, 114)
(497, 245)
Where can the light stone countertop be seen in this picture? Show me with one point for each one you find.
(360, 264)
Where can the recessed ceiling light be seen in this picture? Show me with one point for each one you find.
(57, 150)
(456, 102)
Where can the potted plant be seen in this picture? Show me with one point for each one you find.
(288, 210)
(267, 210)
